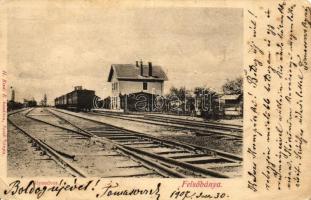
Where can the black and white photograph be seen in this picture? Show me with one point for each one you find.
(125, 92)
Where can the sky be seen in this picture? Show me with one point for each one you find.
(53, 48)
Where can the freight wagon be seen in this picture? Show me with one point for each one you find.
(77, 100)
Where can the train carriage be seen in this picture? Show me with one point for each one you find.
(77, 100)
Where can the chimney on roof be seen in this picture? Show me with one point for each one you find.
(78, 88)
(137, 65)
(150, 68)
(141, 68)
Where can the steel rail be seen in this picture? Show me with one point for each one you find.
(193, 168)
(61, 127)
(168, 142)
(84, 133)
(226, 126)
(163, 171)
(170, 125)
(57, 157)
(236, 126)
(18, 111)
(153, 115)
(189, 167)
(153, 164)
(173, 143)
(198, 124)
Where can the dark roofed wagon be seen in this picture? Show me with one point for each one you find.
(77, 100)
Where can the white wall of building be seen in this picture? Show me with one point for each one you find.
(127, 87)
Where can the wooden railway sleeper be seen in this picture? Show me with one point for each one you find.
(153, 164)
(203, 172)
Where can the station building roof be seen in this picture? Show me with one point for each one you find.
(133, 72)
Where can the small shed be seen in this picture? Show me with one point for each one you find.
(232, 104)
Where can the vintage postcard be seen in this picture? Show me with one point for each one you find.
(163, 100)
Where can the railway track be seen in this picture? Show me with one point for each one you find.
(45, 149)
(176, 159)
(200, 128)
(75, 151)
(207, 124)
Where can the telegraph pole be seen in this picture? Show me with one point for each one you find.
(45, 100)
(185, 101)
(13, 94)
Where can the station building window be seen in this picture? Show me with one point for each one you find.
(145, 86)
(114, 86)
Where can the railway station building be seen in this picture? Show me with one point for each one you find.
(134, 78)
